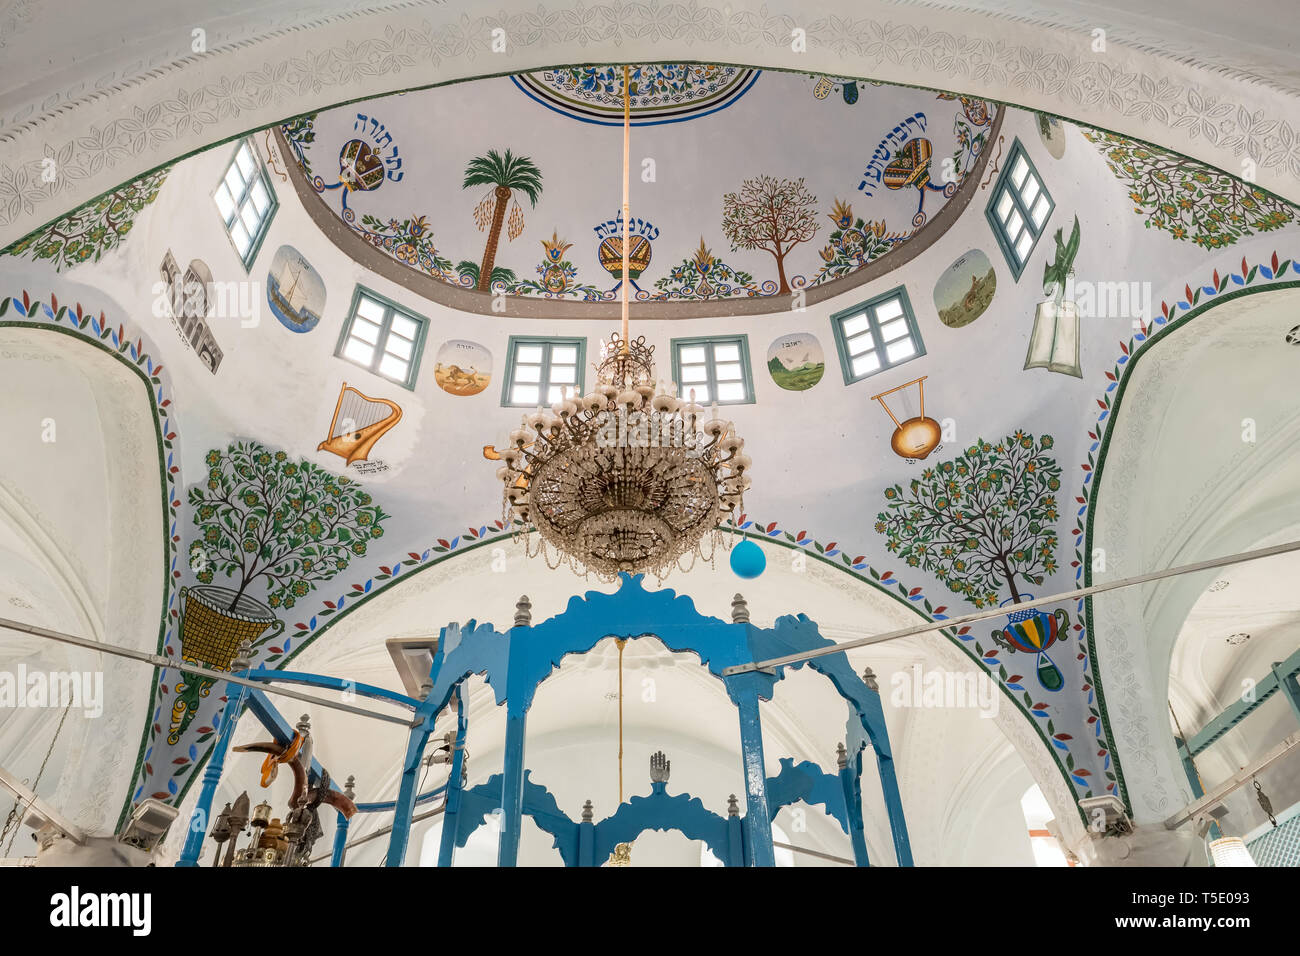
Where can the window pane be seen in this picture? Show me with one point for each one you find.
(402, 348)
(1014, 224)
(1030, 190)
(726, 353)
(259, 196)
(249, 217)
(225, 204)
(1005, 202)
(370, 309)
(555, 393)
(855, 324)
(894, 330)
(899, 351)
(524, 394)
(1041, 209)
(404, 326)
(1024, 245)
(564, 355)
(888, 309)
(529, 353)
(242, 239)
(244, 159)
(234, 182)
(359, 352)
(865, 364)
(528, 373)
(701, 393)
(1020, 170)
(393, 367)
(366, 331)
(564, 374)
(731, 392)
(860, 343)
(694, 373)
(692, 354)
(728, 372)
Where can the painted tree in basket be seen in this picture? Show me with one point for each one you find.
(981, 521)
(261, 515)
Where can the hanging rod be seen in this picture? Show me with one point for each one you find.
(157, 660)
(1001, 611)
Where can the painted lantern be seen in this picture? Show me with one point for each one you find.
(1032, 631)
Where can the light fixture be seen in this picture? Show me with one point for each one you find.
(629, 477)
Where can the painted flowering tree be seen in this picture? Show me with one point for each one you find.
(982, 521)
(1187, 199)
(774, 215)
(261, 515)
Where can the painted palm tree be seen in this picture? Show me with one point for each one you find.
(507, 175)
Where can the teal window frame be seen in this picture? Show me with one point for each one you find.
(869, 308)
(390, 309)
(544, 384)
(710, 342)
(1003, 185)
(264, 225)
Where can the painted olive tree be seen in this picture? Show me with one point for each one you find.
(261, 515)
(982, 521)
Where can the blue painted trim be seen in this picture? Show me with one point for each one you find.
(455, 783)
(340, 841)
(271, 676)
(1239, 710)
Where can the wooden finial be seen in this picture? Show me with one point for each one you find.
(523, 612)
(739, 610)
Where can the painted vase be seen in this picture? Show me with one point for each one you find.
(1032, 631)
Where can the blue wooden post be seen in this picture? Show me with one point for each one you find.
(405, 804)
(758, 829)
(217, 762)
(340, 840)
(851, 784)
(451, 814)
(586, 837)
(894, 805)
(512, 786)
(735, 837)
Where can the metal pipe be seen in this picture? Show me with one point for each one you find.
(999, 612)
(1235, 782)
(817, 853)
(157, 660)
(378, 833)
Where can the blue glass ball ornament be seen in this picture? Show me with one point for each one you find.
(748, 560)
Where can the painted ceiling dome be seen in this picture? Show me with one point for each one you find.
(1003, 310)
(772, 188)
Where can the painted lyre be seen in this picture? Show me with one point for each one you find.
(359, 421)
(916, 437)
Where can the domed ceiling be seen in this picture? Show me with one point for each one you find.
(750, 189)
(746, 184)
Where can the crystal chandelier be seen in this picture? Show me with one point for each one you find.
(628, 477)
